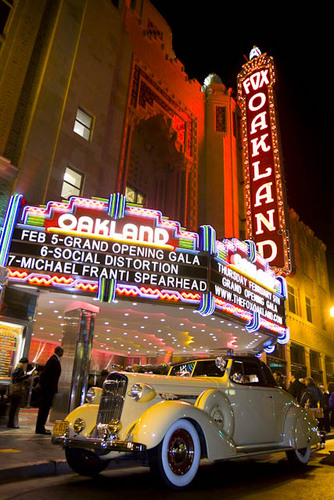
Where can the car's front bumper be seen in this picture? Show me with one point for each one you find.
(97, 444)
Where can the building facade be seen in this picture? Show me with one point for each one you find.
(309, 353)
(94, 101)
(309, 303)
(118, 107)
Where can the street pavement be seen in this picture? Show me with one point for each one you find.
(24, 454)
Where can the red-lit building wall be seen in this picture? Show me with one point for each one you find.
(118, 65)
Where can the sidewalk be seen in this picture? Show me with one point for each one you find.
(24, 454)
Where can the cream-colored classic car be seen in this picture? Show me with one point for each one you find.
(220, 409)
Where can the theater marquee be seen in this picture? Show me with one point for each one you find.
(108, 248)
(266, 214)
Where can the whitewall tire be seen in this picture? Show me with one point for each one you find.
(176, 459)
(300, 456)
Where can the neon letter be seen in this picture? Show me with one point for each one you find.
(259, 122)
(266, 195)
(264, 79)
(269, 223)
(85, 224)
(101, 226)
(260, 143)
(161, 236)
(130, 232)
(246, 85)
(273, 247)
(67, 221)
(257, 174)
(254, 107)
(145, 230)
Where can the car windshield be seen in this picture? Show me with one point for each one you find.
(199, 368)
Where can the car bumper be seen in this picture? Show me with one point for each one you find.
(96, 444)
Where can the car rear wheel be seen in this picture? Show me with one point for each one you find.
(85, 462)
(300, 456)
(176, 459)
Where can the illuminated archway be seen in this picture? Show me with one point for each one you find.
(157, 170)
(161, 130)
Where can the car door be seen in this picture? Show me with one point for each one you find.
(252, 401)
(279, 399)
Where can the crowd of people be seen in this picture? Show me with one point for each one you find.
(313, 398)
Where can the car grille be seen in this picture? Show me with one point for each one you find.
(112, 399)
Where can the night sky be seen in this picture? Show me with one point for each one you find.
(300, 41)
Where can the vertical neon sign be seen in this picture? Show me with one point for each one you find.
(8, 226)
(265, 199)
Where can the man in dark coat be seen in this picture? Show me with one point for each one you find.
(312, 394)
(49, 386)
(296, 387)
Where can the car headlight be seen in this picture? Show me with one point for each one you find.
(92, 395)
(79, 425)
(142, 392)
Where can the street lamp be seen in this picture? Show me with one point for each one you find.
(331, 312)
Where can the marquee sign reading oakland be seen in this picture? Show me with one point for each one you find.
(83, 241)
(110, 247)
(265, 200)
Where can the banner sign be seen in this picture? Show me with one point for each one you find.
(266, 217)
(247, 283)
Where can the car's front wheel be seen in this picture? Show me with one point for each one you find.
(176, 459)
(300, 456)
(85, 462)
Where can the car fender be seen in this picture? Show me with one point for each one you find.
(88, 413)
(216, 404)
(300, 429)
(153, 424)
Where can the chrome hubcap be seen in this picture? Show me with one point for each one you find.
(180, 452)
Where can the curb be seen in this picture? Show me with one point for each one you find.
(50, 468)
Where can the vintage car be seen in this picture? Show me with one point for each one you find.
(220, 409)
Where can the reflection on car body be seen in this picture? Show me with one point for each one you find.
(222, 409)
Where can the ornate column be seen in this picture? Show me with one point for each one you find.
(307, 361)
(78, 334)
(288, 361)
(323, 368)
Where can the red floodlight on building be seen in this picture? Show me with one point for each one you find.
(266, 214)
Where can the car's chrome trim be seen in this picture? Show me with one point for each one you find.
(260, 447)
(175, 396)
(97, 444)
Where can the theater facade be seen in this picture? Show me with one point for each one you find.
(120, 114)
(108, 279)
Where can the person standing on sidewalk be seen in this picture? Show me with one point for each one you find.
(17, 392)
(331, 402)
(296, 387)
(49, 386)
